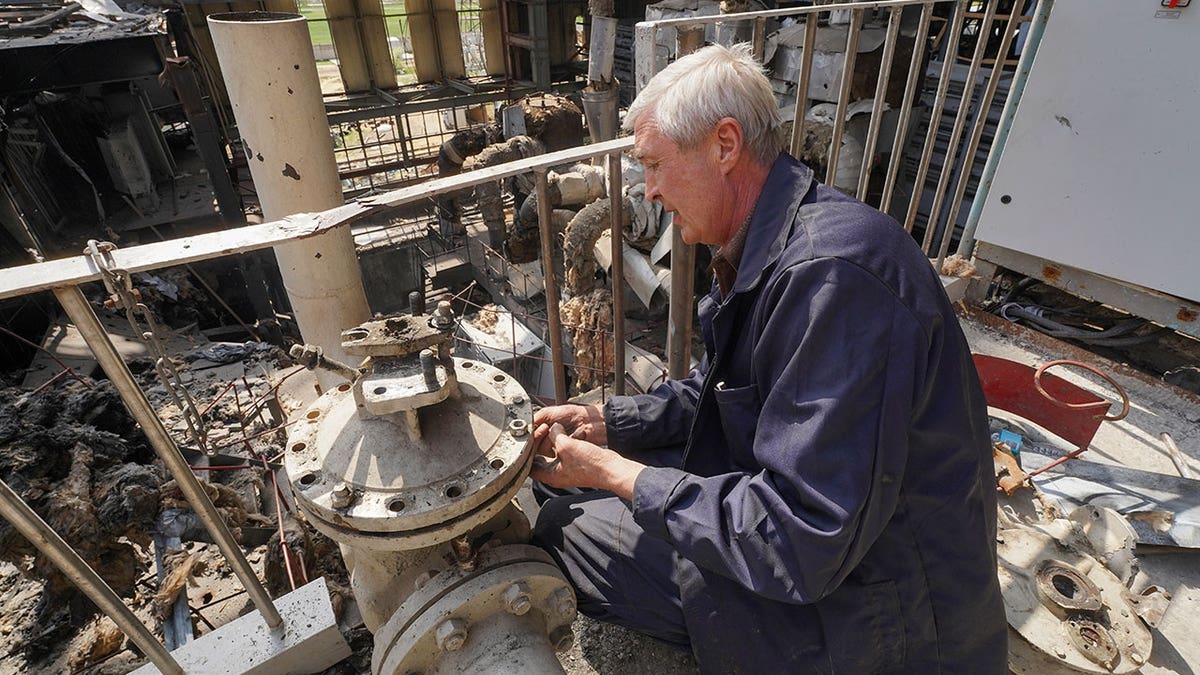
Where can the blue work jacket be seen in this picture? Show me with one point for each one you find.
(835, 507)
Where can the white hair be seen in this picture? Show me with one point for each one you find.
(687, 99)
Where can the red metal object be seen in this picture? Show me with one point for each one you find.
(1069, 411)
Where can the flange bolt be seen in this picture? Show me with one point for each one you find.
(443, 316)
(451, 634)
(341, 496)
(516, 598)
(429, 368)
(563, 602)
(518, 428)
(416, 303)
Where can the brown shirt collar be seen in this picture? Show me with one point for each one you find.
(726, 260)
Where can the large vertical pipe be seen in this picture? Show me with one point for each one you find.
(683, 259)
(46, 540)
(267, 62)
(81, 314)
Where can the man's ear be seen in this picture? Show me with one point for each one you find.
(728, 135)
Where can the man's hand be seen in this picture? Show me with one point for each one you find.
(573, 462)
(584, 422)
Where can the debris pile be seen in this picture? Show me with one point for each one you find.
(74, 455)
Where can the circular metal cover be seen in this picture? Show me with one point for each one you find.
(467, 463)
(1065, 609)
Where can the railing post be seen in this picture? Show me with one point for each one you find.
(683, 260)
(615, 184)
(545, 225)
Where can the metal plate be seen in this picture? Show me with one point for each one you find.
(1102, 156)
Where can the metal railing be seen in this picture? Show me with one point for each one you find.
(64, 277)
(690, 33)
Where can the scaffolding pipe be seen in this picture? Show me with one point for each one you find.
(545, 228)
(615, 198)
(62, 556)
(266, 62)
(81, 314)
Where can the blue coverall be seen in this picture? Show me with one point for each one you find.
(822, 497)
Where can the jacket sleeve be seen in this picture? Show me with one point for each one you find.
(837, 366)
(659, 418)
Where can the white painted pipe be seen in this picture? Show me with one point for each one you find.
(603, 49)
(266, 60)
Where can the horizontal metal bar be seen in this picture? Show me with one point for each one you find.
(791, 11)
(24, 279)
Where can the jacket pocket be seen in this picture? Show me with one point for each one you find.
(739, 409)
(864, 628)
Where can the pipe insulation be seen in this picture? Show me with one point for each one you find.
(266, 62)
(488, 194)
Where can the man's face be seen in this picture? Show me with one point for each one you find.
(687, 183)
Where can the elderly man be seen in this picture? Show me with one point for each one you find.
(818, 495)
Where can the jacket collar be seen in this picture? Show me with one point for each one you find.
(788, 183)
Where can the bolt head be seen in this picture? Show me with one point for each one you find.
(341, 496)
(1137, 658)
(517, 600)
(451, 634)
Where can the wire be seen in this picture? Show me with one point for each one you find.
(1118, 335)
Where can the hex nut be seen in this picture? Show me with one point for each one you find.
(342, 496)
(518, 428)
(451, 634)
(563, 603)
(517, 600)
(562, 638)
(443, 316)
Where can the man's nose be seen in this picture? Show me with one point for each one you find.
(652, 191)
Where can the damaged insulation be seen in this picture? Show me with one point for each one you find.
(588, 319)
(488, 195)
(579, 244)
